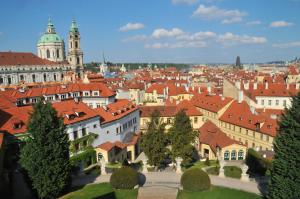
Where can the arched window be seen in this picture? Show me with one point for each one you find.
(21, 77)
(226, 155)
(9, 80)
(45, 77)
(1, 80)
(54, 77)
(233, 155)
(240, 155)
(62, 76)
(71, 44)
(33, 78)
(78, 60)
(48, 53)
(57, 53)
(76, 44)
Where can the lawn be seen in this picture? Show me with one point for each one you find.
(232, 172)
(101, 191)
(217, 193)
(202, 164)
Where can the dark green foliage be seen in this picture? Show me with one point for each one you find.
(195, 179)
(207, 163)
(213, 170)
(181, 136)
(87, 158)
(232, 172)
(154, 141)
(285, 173)
(257, 164)
(124, 178)
(45, 156)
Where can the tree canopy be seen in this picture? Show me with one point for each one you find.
(45, 156)
(181, 136)
(154, 141)
(285, 173)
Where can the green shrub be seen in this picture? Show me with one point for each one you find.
(195, 179)
(96, 170)
(213, 170)
(232, 171)
(87, 157)
(124, 178)
(257, 164)
(207, 163)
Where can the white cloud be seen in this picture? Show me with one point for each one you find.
(232, 20)
(189, 2)
(135, 38)
(215, 13)
(197, 36)
(161, 32)
(278, 24)
(131, 26)
(287, 45)
(253, 23)
(181, 44)
(229, 39)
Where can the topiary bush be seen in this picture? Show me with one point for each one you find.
(195, 180)
(124, 178)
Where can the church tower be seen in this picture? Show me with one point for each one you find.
(75, 55)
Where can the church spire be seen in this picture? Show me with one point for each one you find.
(50, 26)
(74, 27)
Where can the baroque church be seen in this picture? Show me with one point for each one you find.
(49, 65)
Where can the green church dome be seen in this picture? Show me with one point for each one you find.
(49, 38)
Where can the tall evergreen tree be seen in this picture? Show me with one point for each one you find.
(154, 141)
(285, 173)
(181, 136)
(46, 154)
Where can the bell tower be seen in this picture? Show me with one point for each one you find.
(75, 55)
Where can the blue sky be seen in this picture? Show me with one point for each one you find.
(193, 31)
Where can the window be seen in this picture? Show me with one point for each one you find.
(33, 78)
(71, 44)
(57, 53)
(226, 155)
(261, 136)
(95, 93)
(98, 105)
(195, 120)
(168, 120)
(284, 102)
(78, 60)
(277, 102)
(48, 53)
(233, 155)
(75, 135)
(95, 126)
(253, 145)
(83, 132)
(270, 103)
(9, 80)
(54, 77)
(91, 105)
(240, 155)
(262, 102)
(246, 131)
(21, 77)
(76, 44)
(117, 130)
(253, 134)
(86, 93)
(240, 129)
(1, 80)
(107, 132)
(267, 138)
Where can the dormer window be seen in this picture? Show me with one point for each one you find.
(17, 125)
(95, 93)
(86, 93)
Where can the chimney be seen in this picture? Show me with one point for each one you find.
(266, 85)
(199, 89)
(287, 86)
(238, 84)
(246, 85)
(297, 86)
(241, 96)
(254, 85)
(209, 89)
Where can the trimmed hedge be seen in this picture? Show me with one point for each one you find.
(195, 179)
(87, 157)
(257, 164)
(124, 178)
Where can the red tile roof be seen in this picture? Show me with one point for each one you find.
(73, 112)
(107, 146)
(211, 135)
(241, 115)
(213, 103)
(23, 58)
(115, 111)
